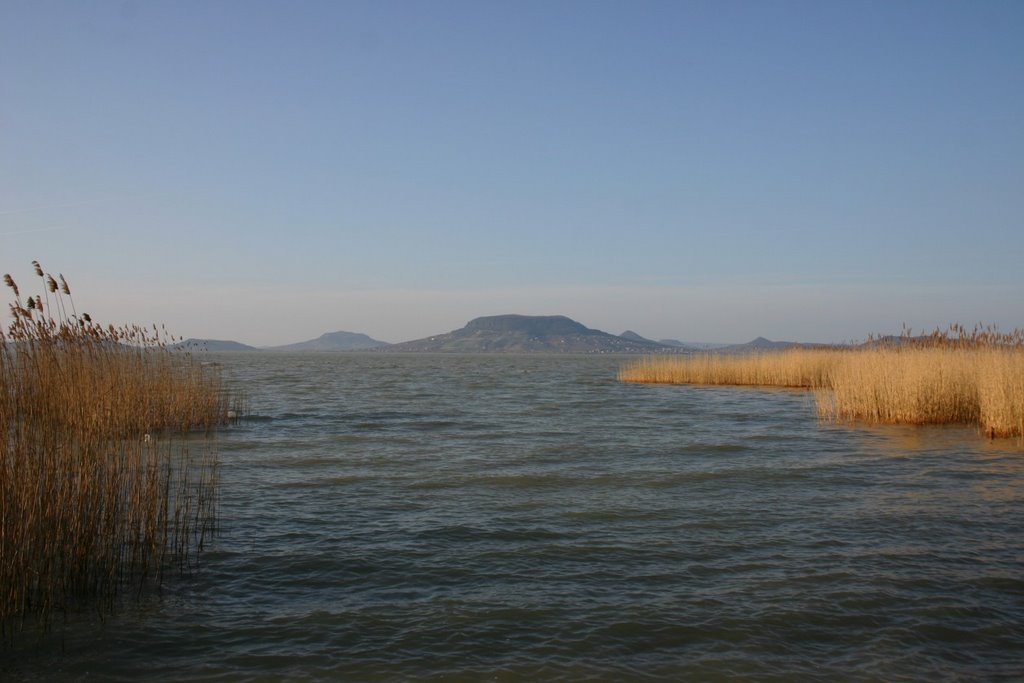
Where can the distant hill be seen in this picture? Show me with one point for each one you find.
(678, 345)
(695, 346)
(212, 345)
(762, 344)
(529, 334)
(515, 334)
(633, 336)
(334, 341)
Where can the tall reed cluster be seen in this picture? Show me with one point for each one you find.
(99, 486)
(947, 377)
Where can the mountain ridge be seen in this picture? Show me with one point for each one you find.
(514, 333)
(334, 341)
(510, 333)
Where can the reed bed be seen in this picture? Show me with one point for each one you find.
(103, 481)
(796, 368)
(946, 377)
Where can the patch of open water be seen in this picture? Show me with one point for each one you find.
(503, 518)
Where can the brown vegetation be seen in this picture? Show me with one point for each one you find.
(96, 491)
(955, 376)
(799, 368)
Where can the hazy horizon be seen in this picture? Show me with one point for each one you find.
(267, 172)
(694, 340)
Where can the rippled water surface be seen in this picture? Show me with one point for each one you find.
(502, 518)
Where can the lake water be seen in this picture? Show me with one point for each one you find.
(505, 518)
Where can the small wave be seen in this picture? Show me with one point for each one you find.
(462, 533)
(321, 481)
(712, 448)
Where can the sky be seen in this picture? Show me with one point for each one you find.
(705, 171)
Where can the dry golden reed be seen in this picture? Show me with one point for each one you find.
(96, 491)
(950, 377)
(803, 368)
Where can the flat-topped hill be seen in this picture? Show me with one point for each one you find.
(528, 334)
(536, 325)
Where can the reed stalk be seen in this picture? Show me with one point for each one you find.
(101, 487)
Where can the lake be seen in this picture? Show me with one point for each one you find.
(517, 517)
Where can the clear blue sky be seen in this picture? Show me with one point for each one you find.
(709, 171)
